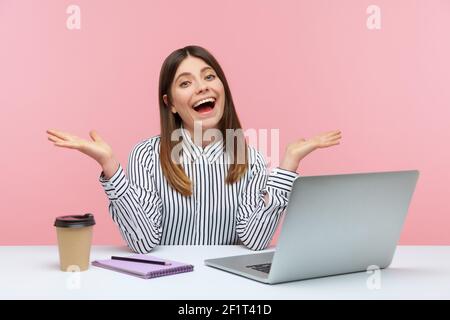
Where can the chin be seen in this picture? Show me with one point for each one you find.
(210, 123)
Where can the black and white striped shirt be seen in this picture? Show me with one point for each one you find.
(149, 212)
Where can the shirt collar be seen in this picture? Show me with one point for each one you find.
(193, 152)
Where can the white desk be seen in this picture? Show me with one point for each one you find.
(417, 272)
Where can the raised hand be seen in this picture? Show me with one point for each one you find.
(97, 149)
(299, 149)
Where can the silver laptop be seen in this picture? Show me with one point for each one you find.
(334, 224)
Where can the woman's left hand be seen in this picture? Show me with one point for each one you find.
(299, 149)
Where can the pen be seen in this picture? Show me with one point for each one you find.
(164, 263)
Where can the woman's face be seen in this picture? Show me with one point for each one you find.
(197, 94)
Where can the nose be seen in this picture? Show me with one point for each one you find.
(202, 87)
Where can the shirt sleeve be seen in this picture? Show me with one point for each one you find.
(256, 221)
(134, 203)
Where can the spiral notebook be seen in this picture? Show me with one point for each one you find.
(144, 270)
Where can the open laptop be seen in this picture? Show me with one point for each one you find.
(334, 224)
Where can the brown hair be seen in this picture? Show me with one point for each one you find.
(174, 172)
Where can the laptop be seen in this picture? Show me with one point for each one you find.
(334, 224)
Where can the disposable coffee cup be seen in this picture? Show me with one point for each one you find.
(74, 234)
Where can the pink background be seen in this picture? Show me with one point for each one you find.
(302, 66)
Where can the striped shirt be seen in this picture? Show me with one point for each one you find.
(148, 211)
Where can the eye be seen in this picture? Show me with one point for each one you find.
(210, 76)
(183, 84)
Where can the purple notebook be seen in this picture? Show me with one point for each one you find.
(144, 270)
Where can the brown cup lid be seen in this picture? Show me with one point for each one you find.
(75, 221)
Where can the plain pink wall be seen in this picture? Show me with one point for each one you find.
(302, 66)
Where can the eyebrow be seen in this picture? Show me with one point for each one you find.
(187, 73)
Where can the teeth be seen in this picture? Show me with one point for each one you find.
(203, 101)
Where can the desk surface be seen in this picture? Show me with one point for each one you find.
(417, 272)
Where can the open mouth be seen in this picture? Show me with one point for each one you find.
(205, 105)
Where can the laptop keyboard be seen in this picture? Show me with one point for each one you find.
(264, 267)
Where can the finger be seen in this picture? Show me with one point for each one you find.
(333, 133)
(326, 135)
(336, 137)
(57, 134)
(66, 144)
(327, 145)
(334, 140)
(54, 139)
(95, 136)
(327, 141)
(60, 134)
(331, 140)
(333, 144)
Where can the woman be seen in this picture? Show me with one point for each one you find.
(178, 191)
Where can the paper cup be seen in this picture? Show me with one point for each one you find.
(74, 234)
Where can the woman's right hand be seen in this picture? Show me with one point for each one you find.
(97, 149)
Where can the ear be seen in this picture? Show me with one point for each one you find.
(166, 102)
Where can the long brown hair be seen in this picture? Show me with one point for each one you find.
(174, 172)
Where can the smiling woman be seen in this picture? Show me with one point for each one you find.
(199, 93)
(195, 199)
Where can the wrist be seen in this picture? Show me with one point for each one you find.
(110, 167)
(107, 161)
(289, 164)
